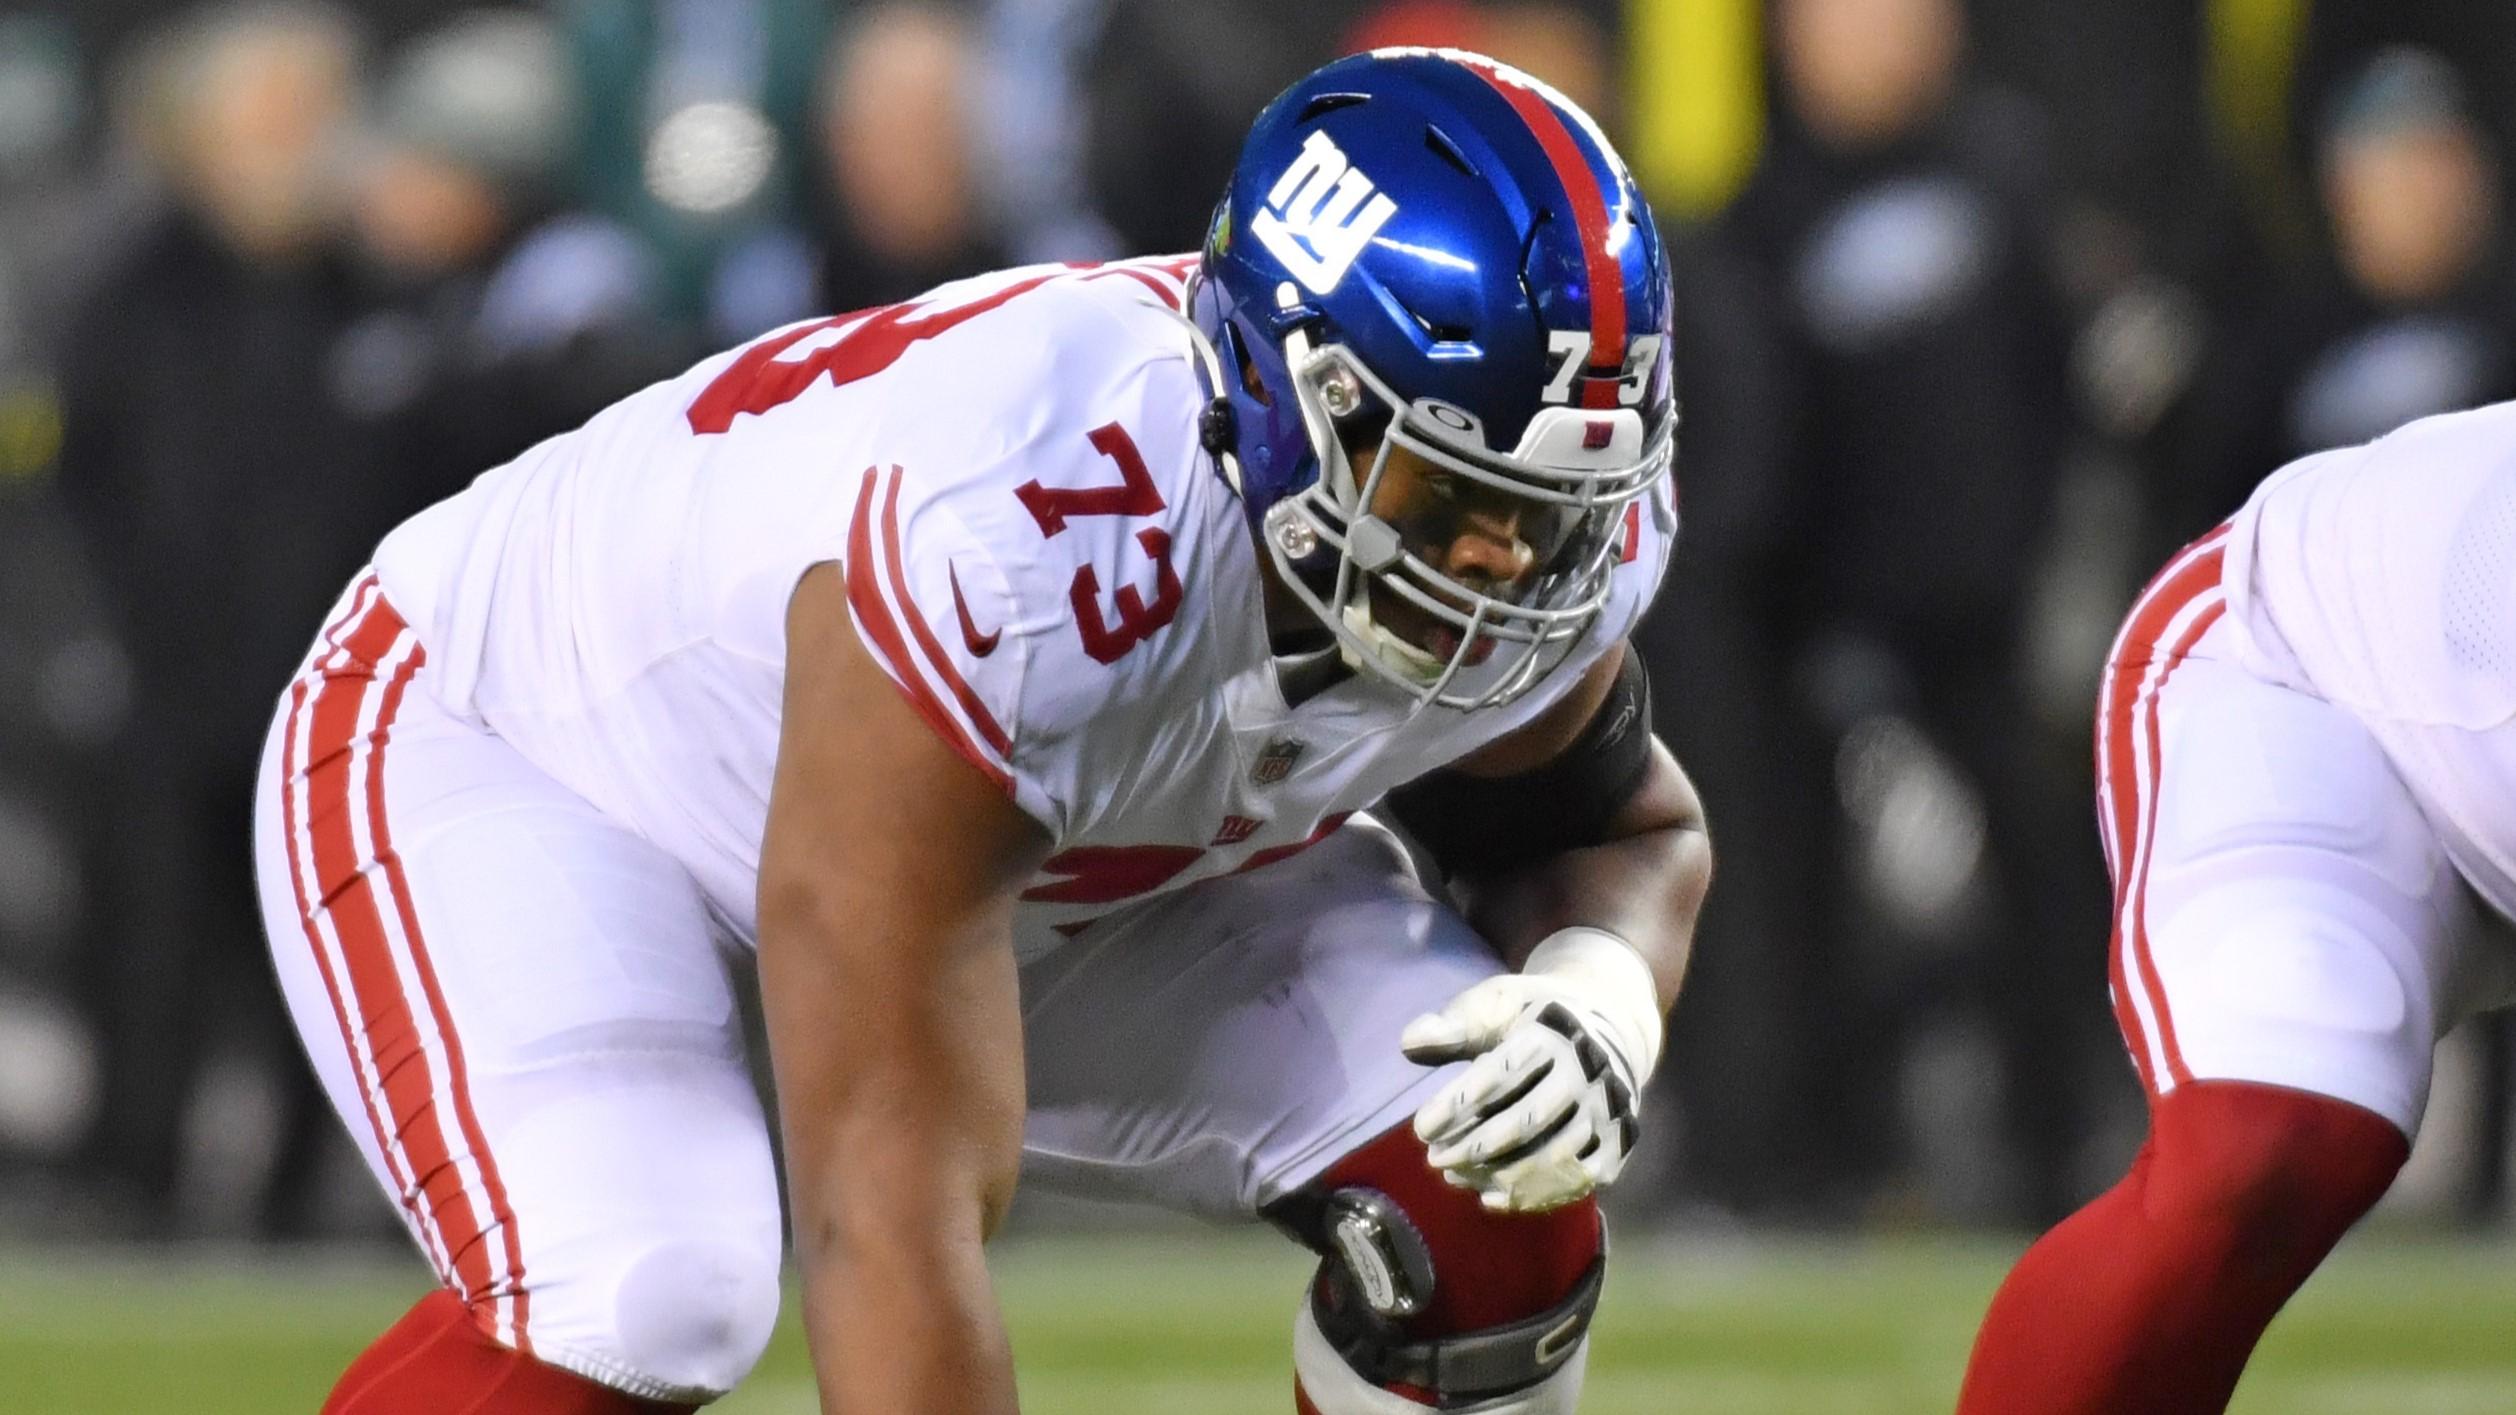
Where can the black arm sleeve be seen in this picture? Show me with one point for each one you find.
(1477, 825)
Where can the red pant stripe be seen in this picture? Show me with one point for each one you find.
(389, 1027)
(2170, 617)
(2136, 917)
(2117, 786)
(2193, 570)
(328, 702)
(510, 1289)
(310, 915)
(376, 971)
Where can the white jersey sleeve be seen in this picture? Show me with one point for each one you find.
(919, 585)
(1016, 574)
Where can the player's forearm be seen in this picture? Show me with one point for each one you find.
(906, 1176)
(907, 1322)
(1645, 883)
(900, 1087)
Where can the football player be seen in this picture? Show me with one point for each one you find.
(2306, 746)
(1019, 670)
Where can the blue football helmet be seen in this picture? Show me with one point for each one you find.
(1427, 250)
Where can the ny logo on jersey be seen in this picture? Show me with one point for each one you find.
(1321, 214)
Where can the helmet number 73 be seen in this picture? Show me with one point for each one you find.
(1571, 350)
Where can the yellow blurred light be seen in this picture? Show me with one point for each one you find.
(30, 431)
(1698, 100)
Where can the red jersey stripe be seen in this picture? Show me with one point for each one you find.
(962, 693)
(1166, 293)
(864, 596)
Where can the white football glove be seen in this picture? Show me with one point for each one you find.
(1546, 1111)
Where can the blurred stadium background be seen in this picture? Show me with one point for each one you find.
(1984, 307)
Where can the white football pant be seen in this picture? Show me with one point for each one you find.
(527, 1016)
(2287, 910)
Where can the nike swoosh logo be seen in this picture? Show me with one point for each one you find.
(980, 645)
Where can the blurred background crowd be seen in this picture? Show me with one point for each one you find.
(1983, 307)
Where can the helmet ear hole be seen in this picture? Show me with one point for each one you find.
(1218, 427)
(1237, 353)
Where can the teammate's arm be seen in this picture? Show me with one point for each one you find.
(1577, 847)
(887, 880)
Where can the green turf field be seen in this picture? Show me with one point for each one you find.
(1197, 1325)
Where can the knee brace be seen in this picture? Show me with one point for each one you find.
(1422, 1297)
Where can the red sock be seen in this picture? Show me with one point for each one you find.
(436, 1362)
(2152, 1297)
(1489, 1269)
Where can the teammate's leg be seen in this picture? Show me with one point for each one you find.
(1233, 1049)
(2153, 1296)
(2289, 942)
(519, 1009)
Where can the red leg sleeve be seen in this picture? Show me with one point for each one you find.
(2152, 1297)
(435, 1361)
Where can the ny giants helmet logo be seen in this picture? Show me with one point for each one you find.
(1320, 215)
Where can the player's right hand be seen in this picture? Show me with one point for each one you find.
(1547, 1110)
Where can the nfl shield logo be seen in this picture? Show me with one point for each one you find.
(1276, 759)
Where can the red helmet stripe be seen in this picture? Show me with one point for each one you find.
(1607, 280)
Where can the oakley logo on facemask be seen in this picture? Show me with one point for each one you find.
(1320, 215)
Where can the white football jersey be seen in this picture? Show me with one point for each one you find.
(2383, 576)
(1036, 549)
